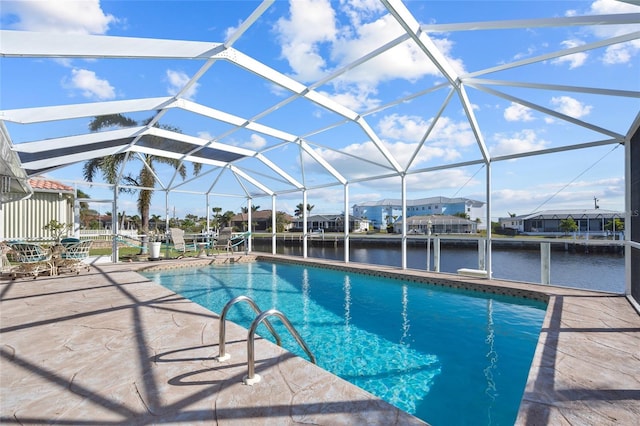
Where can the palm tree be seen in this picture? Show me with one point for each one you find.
(110, 166)
(300, 208)
(253, 209)
(225, 218)
(281, 221)
(85, 213)
(245, 210)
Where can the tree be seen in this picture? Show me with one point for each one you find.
(462, 215)
(225, 218)
(616, 224)
(215, 222)
(85, 213)
(300, 209)
(111, 166)
(281, 221)
(568, 225)
(253, 209)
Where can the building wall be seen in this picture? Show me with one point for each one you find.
(24, 219)
(378, 214)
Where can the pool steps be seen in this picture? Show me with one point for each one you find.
(252, 378)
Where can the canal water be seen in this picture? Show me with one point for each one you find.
(589, 271)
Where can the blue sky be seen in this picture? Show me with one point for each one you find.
(308, 40)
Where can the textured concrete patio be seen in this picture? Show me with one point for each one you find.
(111, 347)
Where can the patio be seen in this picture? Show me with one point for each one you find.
(110, 347)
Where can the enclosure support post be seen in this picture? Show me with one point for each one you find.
(403, 180)
(274, 224)
(304, 223)
(482, 247)
(247, 241)
(346, 223)
(436, 254)
(114, 226)
(545, 263)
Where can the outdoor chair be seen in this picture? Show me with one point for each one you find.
(179, 243)
(72, 256)
(32, 260)
(223, 242)
(7, 267)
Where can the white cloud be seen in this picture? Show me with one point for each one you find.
(570, 106)
(311, 23)
(523, 141)
(69, 16)
(90, 85)
(517, 112)
(356, 98)
(575, 60)
(618, 53)
(401, 135)
(315, 41)
(256, 142)
(446, 132)
(205, 135)
(177, 80)
(446, 182)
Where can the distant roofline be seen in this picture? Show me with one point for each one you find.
(567, 212)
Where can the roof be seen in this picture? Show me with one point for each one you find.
(573, 213)
(436, 219)
(45, 185)
(255, 215)
(325, 149)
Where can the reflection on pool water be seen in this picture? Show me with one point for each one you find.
(447, 356)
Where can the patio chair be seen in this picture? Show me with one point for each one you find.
(223, 242)
(32, 260)
(6, 266)
(179, 243)
(72, 256)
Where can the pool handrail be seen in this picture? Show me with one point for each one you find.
(222, 355)
(252, 378)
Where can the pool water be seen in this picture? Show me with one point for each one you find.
(447, 356)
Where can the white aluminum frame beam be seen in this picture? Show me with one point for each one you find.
(613, 19)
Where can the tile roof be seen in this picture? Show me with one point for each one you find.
(49, 185)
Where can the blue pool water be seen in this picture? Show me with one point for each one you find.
(450, 357)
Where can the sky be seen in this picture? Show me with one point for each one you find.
(310, 39)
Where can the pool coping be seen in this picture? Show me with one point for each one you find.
(586, 368)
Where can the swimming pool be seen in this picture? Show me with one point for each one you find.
(447, 356)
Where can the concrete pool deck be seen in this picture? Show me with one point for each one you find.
(111, 347)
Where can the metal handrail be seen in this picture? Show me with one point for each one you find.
(251, 377)
(223, 329)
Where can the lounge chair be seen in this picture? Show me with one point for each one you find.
(32, 260)
(72, 256)
(177, 236)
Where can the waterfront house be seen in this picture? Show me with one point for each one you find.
(385, 212)
(331, 223)
(591, 222)
(260, 220)
(440, 224)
